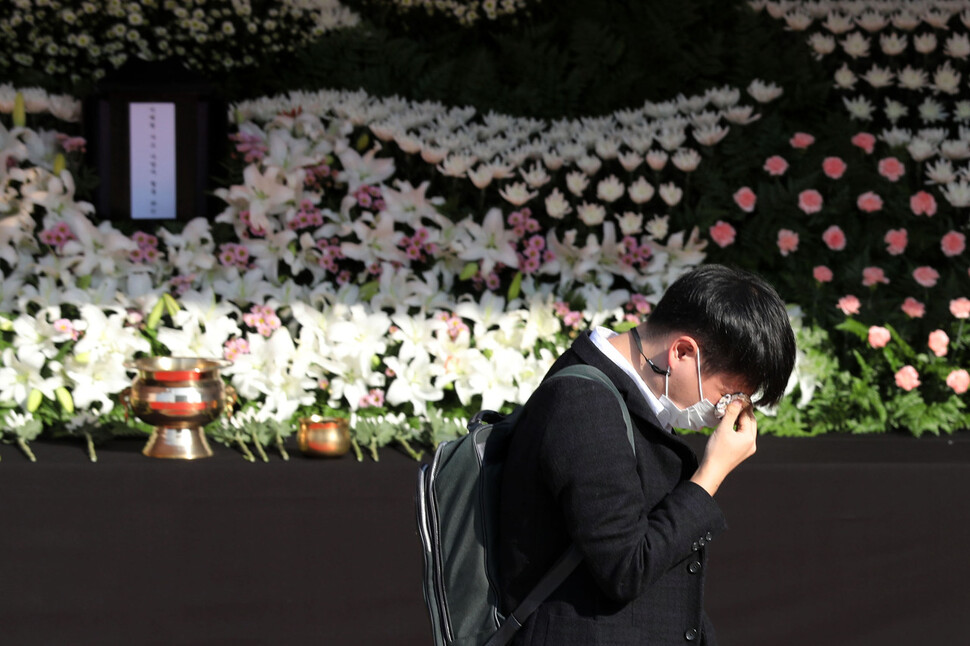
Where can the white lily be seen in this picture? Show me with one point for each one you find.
(487, 243)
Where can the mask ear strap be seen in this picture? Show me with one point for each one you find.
(636, 340)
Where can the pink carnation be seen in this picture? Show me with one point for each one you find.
(960, 307)
(959, 381)
(913, 308)
(776, 165)
(810, 201)
(869, 202)
(953, 243)
(922, 203)
(822, 274)
(849, 305)
(938, 342)
(865, 141)
(834, 238)
(787, 241)
(926, 276)
(873, 275)
(801, 140)
(891, 168)
(745, 199)
(896, 241)
(833, 167)
(878, 336)
(722, 233)
(907, 378)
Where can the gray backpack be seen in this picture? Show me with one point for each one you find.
(457, 507)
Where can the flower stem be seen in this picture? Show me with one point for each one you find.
(245, 449)
(357, 452)
(22, 443)
(281, 448)
(259, 448)
(90, 442)
(373, 450)
(411, 451)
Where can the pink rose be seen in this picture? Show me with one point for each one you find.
(776, 165)
(722, 233)
(938, 342)
(869, 202)
(873, 275)
(787, 241)
(926, 276)
(878, 336)
(913, 308)
(896, 241)
(907, 378)
(822, 274)
(960, 307)
(959, 381)
(810, 201)
(833, 167)
(834, 238)
(802, 140)
(922, 203)
(865, 141)
(849, 305)
(891, 168)
(745, 199)
(953, 243)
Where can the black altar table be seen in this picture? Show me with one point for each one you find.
(845, 540)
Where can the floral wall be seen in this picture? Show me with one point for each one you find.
(407, 261)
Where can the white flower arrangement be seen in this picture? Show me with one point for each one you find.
(85, 41)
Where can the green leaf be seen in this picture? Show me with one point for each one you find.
(468, 271)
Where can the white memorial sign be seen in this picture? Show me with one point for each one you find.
(152, 136)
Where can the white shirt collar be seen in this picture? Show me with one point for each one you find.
(600, 337)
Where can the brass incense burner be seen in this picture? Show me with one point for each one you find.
(178, 396)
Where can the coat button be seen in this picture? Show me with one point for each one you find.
(702, 541)
(694, 567)
(695, 546)
(709, 537)
(691, 635)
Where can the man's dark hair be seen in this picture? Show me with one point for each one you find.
(738, 320)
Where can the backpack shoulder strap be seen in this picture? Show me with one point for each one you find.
(592, 373)
(572, 557)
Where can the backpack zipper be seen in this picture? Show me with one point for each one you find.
(435, 544)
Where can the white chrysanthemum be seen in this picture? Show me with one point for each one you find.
(920, 149)
(517, 193)
(630, 223)
(823, 44)
(925, 43)
(872, 21)
(591, 214)
(670, 193)
(894, 110)
(855, 45)
(797, 21)
(859, 108)
(957, 193)
(764, 92)
(940, 172)
(576, 183)
(957, 46)
(837, 23)
(905, 20)
(946, 79)
(955, 149)
(845, 78)
(912, 79)
(878, 77)
(610, 189)
(641, 191)
(931, 111)
(686, 159)
(657, 159)
(557, 206)
(893, 44)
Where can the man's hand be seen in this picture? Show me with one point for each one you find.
(731, 443)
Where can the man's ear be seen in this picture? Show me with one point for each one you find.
(683, 347)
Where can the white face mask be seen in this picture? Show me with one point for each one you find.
(703, 414)
(695, 417)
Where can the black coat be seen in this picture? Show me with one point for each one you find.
(641, 525)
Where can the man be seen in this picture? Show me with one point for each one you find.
(718, 339)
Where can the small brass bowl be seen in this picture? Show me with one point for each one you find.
(324, 436)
